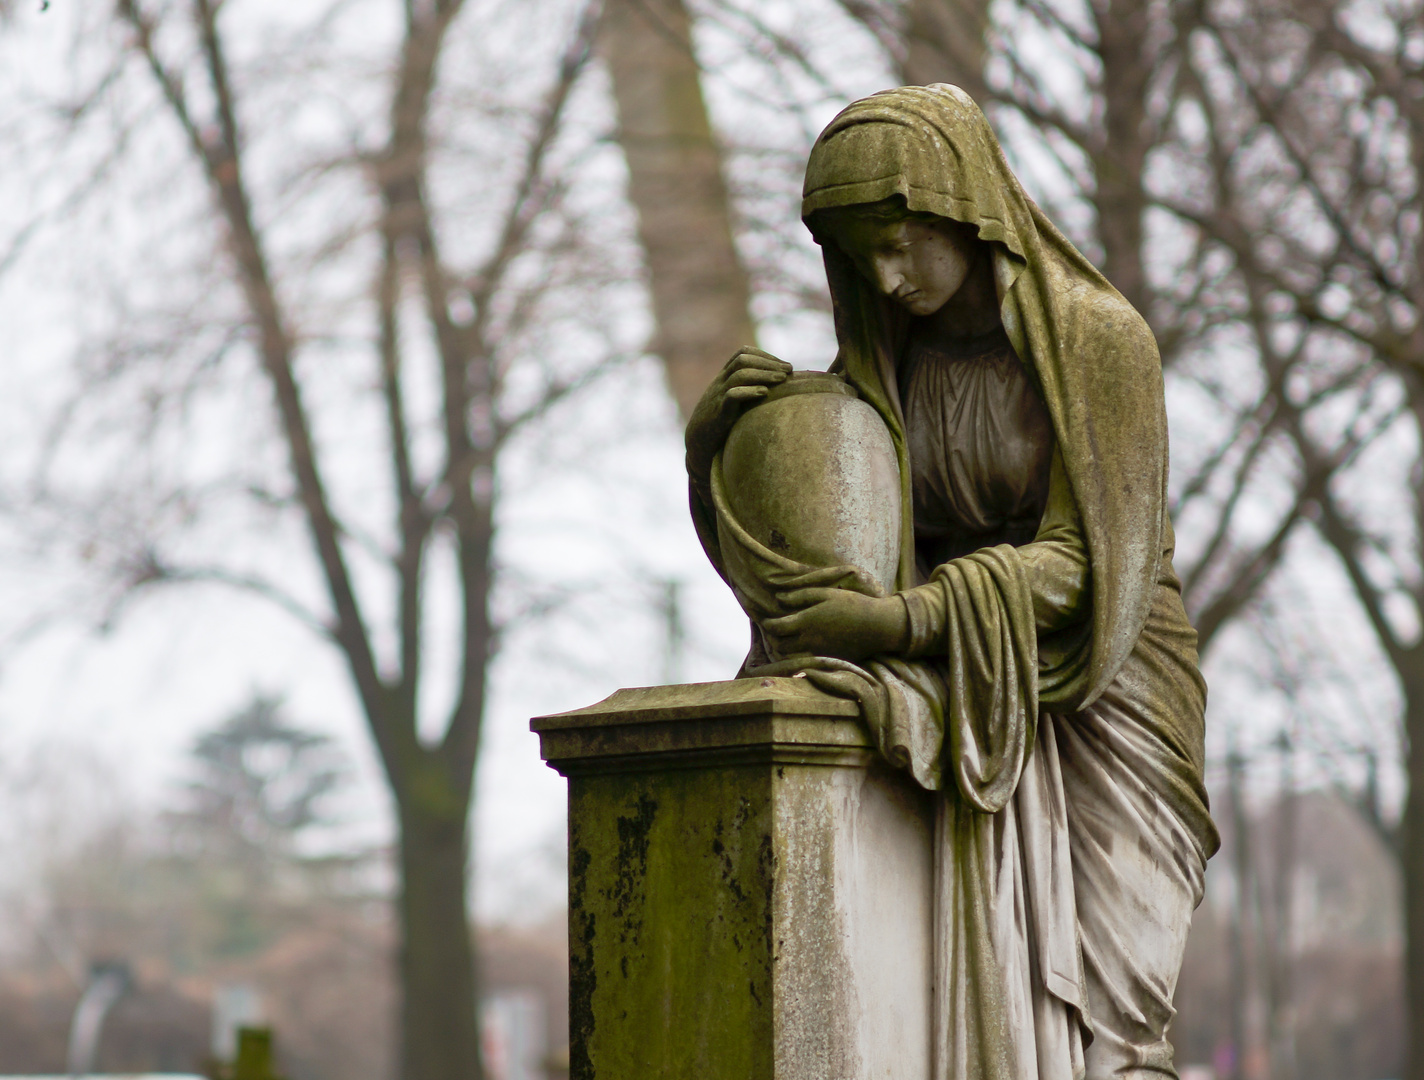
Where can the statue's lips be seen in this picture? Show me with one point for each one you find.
(913, 302)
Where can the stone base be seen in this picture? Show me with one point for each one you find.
(749, 888)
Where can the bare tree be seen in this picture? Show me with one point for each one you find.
(1326, 138)
(696, 279)
(1213, 118)
(451, 316)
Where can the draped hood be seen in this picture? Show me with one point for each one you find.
(1093, 356)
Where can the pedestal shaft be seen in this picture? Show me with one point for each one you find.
(749, 889)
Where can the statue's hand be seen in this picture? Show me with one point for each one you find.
(838, 622)
(746, 378)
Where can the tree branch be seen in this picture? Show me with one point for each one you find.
(221, 160)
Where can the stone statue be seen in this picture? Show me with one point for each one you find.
(963, 526)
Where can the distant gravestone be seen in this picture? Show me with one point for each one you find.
(515, 1036)
(254, 1055)
(235, 1005)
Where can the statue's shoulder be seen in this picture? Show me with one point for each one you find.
(1116, 328)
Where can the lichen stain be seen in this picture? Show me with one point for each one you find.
(766, 869)
(583, 978)
(728, 864)
(631, 872)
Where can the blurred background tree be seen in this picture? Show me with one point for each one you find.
(231, 882)
(258, 782)
(305, 248)
(259, 788)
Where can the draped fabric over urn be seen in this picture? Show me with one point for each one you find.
(1050, 691)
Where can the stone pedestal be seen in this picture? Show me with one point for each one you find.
(749, 888)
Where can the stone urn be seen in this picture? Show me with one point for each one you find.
(809, 482)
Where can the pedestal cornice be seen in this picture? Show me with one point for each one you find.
(744, 721)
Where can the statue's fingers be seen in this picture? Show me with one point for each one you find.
(749, 354)
(758, 358)
(745, 393)
(783, 626)
(755, 376)
(802, 598)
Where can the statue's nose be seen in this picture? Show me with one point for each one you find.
(888, 278)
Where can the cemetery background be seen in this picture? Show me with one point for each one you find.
(1183, 146)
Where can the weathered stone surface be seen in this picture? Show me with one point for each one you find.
(746, 720)
(811, 474)
(749, 890)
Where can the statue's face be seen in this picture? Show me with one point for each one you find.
(918, 264)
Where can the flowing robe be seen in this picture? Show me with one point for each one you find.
(985, 471)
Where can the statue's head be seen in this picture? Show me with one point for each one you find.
(918, 260)
(910, 187)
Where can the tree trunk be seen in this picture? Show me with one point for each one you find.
(944, 42)
(1241, 937)
(439, 1031)
(1282, 967)
(699, 286)
(1127, 136)
(1411, 677)
(1410, 665)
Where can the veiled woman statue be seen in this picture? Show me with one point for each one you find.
(1024, 651)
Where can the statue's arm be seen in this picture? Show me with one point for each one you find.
(1056, 562)
(1059, 572)
(704, 518)
(745, 379)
